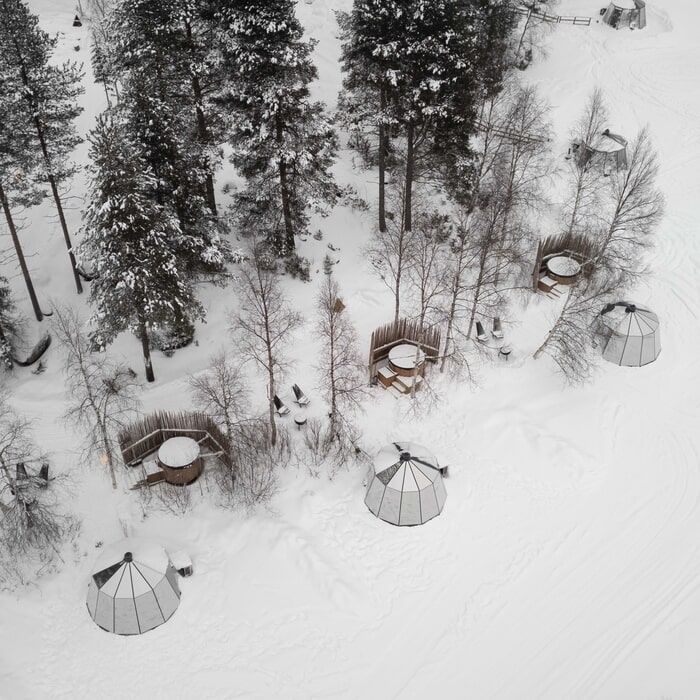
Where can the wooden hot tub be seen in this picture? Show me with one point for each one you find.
(563, 269)
(407, 360)
(180, 460)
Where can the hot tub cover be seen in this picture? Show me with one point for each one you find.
(178, 452)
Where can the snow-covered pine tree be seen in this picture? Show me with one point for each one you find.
(440, 60)
(97, 13)
(159, 62)
(19, 164)
(171, 41)
(50, 95)
(131, 241)
(160, 128)
(283, 143)
(9, 325)
(370, 36)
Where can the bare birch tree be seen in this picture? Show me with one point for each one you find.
(425, 279)
(535, 28)
(264, 324)
(494, 235)
(635, 207)
(102, 394)
(391, 252)
(584, 180)
(570, 341)
(521, 171)
(458, 285)
(30, 519)
(254, 460)
(222, 392)
(340, 366)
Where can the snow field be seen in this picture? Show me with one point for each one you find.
(566, 564)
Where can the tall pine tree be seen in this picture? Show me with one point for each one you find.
(9, 325)
(163, 66)
(131, 242)
(19, 166)
(370, 38)
(282, 141)
(50, 94)
(157, 126)
(172, 40)
(431, 67)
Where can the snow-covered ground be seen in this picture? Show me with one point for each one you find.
(566, 564)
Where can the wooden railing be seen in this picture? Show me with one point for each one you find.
(553, 19)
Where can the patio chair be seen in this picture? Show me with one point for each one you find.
(281, 408)
(44, 475)
(299, 396)
(497, 331)
(480, 333)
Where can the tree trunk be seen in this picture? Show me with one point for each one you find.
(66, 235)
(577, 200)
(383, 139)
(477, 296)
(450, 324)
(289, 243)
(202, 131)
(334, 398)
(397, 292)
(56, 196)
(419, 346)
(107, 450)
(146, 348)
(47, 160)
(522, 36)
(272, 407)
(20, 255)
(410, 166)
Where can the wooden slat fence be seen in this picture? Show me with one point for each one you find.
(405, 330)
(508, 135)
(579, 247)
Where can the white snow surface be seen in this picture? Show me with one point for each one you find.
(566, 563)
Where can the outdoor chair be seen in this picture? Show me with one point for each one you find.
(281, 408)
(480, 333)
(299, 396)
(497, 331)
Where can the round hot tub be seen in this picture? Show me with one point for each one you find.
(406, 359)
(563, 269)
(179, 458)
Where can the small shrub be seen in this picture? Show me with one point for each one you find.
(298, 267)
(174, 337)
(239, 256)
(318, 235)
(255, 463)
(328, 263)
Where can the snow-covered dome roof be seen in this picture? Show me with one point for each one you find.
(133, 587)
(406, 485)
